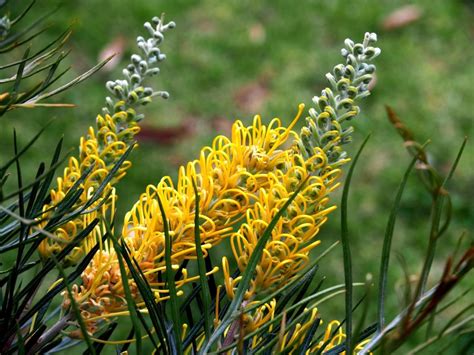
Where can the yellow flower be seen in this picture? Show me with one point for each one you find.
(294, 236)
(332, 337)
(287, 251)
(230, 177)
(291, 335)
(100, 150)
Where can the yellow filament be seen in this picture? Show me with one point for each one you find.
(284, 137)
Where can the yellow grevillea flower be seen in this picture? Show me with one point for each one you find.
(101, 294)
(332, 337)
(287, 251)
(230, 176)
(313, 160)
(103, 146)
(292, 239)
(99, 150)
(291, 336)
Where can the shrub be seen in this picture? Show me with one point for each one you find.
(258, 197)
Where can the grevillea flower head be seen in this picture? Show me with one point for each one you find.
(230, 176)
(103, 146)
(313, 160)
(292, 332)
(312, 166)
(287, 251)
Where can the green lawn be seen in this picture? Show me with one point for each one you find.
(233, 59)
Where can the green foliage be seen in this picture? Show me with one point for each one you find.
(44, 64)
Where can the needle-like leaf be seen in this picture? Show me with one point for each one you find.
(387, 244)
(346, 249)
(205, 293)
(170, 276)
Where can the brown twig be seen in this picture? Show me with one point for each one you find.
(448, 280)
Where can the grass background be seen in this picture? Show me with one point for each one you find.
(233, 59)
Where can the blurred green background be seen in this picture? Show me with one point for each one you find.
(233, 59)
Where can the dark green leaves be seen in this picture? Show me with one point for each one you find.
(48, 59)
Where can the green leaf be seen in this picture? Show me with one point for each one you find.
(49, 79)
(128, 295)
(73, 82)
(309, 336)
(358, 331)
(22, 14)
(296, 292)
(75, 308)
(155, 310)
(35, 60)
(131, 304)
(387, 243)
(48, 178)
(9, 304)
(21, 68)
(35, 186)
(346, 249)
(171, 280)
(455, 163)
(21, 341)
(58, 288)
(205, 293)
(16, 85)
(436, 231)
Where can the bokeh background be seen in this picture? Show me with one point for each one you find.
(233, 59)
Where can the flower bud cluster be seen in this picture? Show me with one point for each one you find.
(5, 25)
(349, 83)
(129, 93)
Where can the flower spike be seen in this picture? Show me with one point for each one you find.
(129, 93)
(336, 105)
(104, 145)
